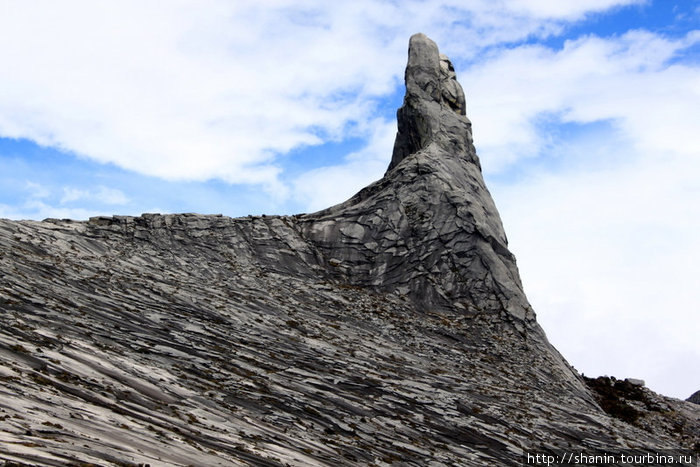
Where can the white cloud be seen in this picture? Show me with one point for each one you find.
(178, 93)
(40, 202)
(604, 223)
(322, 187)
(71, 194)
(36, 190)
(37, 209)
(110, 196)
(102, 195)
(591, 79)
(609, 261)
(563, 9)
(215, 89)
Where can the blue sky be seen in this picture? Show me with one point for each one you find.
(585, 117)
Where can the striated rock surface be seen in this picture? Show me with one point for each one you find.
(389, 329)
(434, 109)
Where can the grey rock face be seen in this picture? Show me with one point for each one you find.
(434, 109)
(694, 398)
(429, 228)
(389, 329)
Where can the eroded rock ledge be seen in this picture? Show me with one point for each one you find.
(391, 328)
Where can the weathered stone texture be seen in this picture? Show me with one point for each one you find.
(694, 398)
(389, 329)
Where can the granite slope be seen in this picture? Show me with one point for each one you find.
(390, 329)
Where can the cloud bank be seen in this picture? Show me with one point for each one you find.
(217, 89)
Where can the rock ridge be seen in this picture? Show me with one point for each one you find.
(389, 329)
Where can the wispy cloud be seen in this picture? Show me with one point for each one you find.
(214, 89)
(101, 194)
(38, 209)
(563, 9)
(41, 201)
(628, 80)
(36, 190)
(71, 194)
(603, 220)
(322, 187)
(608, 257)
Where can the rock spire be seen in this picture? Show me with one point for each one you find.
(429, 228)
(434, 106)
(389, 329)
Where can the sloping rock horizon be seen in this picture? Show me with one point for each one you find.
(389, 329)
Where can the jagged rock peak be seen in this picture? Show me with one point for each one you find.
(434, 109)
(389, 329)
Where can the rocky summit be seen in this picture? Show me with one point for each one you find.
(391, 329)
